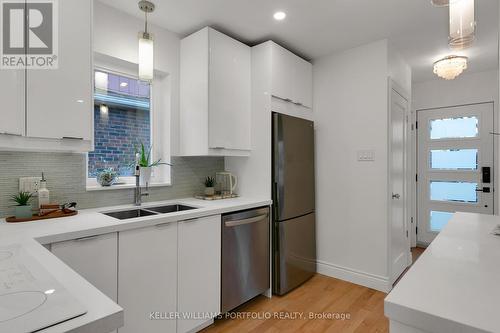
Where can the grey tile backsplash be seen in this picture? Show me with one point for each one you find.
(66, 179)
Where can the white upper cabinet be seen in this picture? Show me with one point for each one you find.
(229, 93)
(199, 270)
(59, 101)
(52, 109)
(12, 97)
(215, 95)
(291, 76)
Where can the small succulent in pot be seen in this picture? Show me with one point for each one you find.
(107, 177)
(210, 186)
(23, 206)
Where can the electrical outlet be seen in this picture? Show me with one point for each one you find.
(29, 184)
(366, 155)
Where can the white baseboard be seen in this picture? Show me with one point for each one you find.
(372, 281)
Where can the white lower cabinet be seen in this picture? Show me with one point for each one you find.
(147, 278)
(94, 258)
(199, 272)
(167, 270)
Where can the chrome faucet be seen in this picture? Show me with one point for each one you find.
(138, 194)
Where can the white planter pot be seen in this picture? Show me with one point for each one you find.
(209, 190)
(23, 212)
(145, 177)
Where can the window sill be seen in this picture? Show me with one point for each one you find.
(91, 188)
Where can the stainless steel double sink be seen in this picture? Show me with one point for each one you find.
(147, 211)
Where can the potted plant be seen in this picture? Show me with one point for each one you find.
(144, 160)
(107, 177)
(23, 206)
(210, 186)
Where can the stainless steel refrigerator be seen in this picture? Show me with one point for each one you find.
(294, 231)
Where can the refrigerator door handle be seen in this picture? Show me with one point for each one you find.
(251, 220)
(276, 203)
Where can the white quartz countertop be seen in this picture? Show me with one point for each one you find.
(103, 314)
(455, 284)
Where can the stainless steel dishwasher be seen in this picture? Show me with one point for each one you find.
(245, 257)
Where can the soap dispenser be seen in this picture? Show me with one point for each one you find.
(43, 193)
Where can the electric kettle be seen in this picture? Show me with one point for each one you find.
(226, 182)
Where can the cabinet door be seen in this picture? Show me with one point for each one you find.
(147, 278)
(59, 101)
(283, 72)
(12, 97)
(94, 258)
(303, 83)
(229, 93)
(291, 77)
(199, 270)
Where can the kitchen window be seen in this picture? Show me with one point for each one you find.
(123, 120)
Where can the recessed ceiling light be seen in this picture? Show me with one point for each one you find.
(279, 16)
(123, 84)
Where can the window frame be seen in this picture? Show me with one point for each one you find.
(161, 176)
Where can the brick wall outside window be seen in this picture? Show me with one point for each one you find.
(117, 133)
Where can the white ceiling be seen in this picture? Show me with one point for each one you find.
(314, 28)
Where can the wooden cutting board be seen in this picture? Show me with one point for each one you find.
(54, 215)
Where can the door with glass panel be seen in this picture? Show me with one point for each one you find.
(455, 165)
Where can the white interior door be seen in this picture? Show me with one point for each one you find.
(399, 241)
(455, 153)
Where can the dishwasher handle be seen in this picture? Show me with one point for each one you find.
(251, 220)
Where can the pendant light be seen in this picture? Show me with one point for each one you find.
(462, 24)
(450, 67)
(146, 45)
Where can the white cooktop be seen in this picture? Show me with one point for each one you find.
(30, 298)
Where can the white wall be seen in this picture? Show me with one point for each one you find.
(115, 35)
(466, 89)
(351, 114)
(399, 70)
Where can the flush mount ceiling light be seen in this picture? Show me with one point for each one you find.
(146, 45)
(450, 67)
(279, 16)
(462, 24)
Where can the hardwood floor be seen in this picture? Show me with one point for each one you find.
(362, 309)
(416, 252)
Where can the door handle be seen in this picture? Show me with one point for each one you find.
(89, 238)
(396, 196)
(484, 190)
(245, 221)
(11, 134)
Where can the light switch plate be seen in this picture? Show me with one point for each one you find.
(366, 155)
(29, 184)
